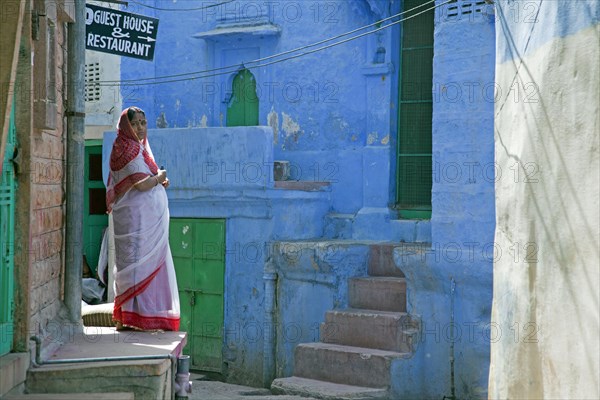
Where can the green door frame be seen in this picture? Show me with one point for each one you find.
(415, 101)
(95, 219)
(7, 238)
(198, 248)
(243, 105)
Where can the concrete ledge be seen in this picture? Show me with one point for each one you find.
(13, 370)
(104, 360)
(308, 186)
(72, 396)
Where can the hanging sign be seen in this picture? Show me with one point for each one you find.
(117, 32)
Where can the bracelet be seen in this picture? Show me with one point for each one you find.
(157, 181)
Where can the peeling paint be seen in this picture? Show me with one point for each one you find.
(290, 127)
(161, 121)
(203, 121)
(273, 122)
(385, 139)
(372, 138)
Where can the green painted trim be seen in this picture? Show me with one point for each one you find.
(414, 214)
(93, 142)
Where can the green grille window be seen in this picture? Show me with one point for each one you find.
(413, 184)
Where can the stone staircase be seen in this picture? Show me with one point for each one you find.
(357, 344)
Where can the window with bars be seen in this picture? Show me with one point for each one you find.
(92, 78)
(415, 103)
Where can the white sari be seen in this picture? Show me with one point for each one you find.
(146, 295)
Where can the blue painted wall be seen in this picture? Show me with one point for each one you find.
(332, 114)
(315, 103)
(225, 173)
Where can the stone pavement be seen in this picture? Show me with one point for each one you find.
(213, 390)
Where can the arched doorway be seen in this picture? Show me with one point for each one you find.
(243, 106)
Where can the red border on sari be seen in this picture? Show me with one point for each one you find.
(136, 320)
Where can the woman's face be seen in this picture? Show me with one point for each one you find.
(140, 125)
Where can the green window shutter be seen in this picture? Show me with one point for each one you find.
(414, 172)
(7, 239)
(243, 106)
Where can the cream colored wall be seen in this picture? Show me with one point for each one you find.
(102, 115)
(545, 317)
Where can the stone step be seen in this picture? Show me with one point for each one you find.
(325, 390)
(377, 293)
(383, 330)
(72, 396)
(344, 364)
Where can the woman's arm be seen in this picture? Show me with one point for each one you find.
(151, 181)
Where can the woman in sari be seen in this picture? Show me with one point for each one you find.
(146, 296)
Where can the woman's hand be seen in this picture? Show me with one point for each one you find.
(161, 176)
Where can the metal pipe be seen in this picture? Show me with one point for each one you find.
(270, 339)
(452, 384)
(183, 386)
(38, 349)
(75, 160)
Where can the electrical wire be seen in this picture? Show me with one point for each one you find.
(233, 68)
(181, 9)
(249, 63)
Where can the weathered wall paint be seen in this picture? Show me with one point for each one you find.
(315, 103)
(547, 294)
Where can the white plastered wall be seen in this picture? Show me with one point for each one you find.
(545, 317)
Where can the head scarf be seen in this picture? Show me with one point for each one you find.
(127, 145)
(126, 148)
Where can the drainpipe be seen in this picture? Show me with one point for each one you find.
(75, 160)
(269, 343)
(452, 360)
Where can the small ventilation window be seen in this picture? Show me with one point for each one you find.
(92, 78)
(466, 8)
(479, 6)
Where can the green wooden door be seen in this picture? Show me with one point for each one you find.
(95, 219)
(414, 175)
(243, 106)
(7, 237)
(198, 247)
